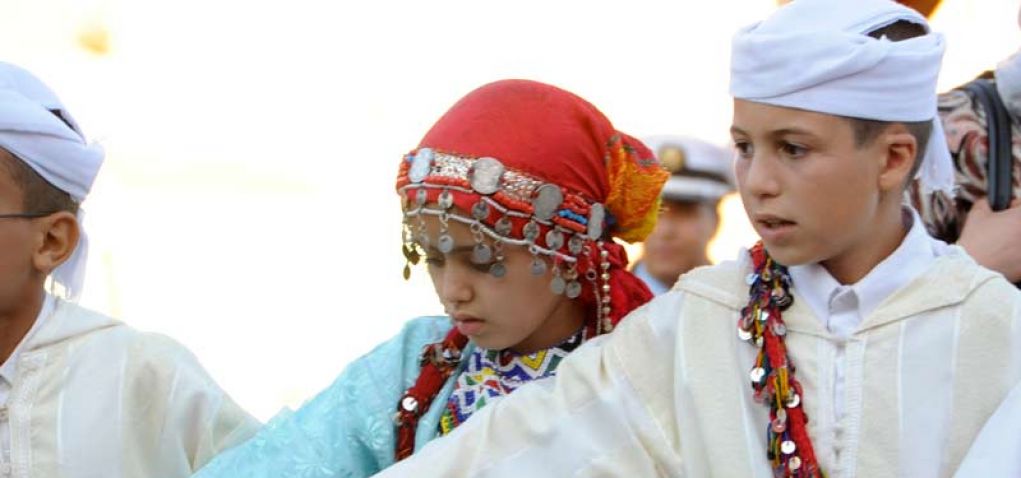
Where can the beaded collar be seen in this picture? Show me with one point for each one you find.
(491, 374)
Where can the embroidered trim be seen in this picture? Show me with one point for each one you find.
(491, 374)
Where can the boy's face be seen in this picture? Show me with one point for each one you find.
(515, 311)
(16, 240)
(810, 192)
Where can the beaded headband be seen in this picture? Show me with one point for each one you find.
(510, 207)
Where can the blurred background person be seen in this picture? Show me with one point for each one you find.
(701, 174)
(988, 232)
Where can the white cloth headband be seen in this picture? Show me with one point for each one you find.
(52, 146)
(815, 55)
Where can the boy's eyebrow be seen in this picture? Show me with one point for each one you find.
(775, 133)
(786, 131)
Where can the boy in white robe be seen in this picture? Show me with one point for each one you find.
(81, 394)
(872, 355)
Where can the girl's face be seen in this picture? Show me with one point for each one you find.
(517, 311)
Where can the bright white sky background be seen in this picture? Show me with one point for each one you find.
(247, 206)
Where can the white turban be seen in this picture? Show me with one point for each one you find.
(53, 146)
(815, 55)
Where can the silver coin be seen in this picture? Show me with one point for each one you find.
(573, 289)
(575, 244)
(482, 254)
(480, 210)
(596, 216)
(498, 269)
(779, 329)
(445, 244)
(446, 199)
(485, 175)
(504, 226)
(421, 164)
(547, 200)
(409, 404)
(538, 266)
(530, 231)
(558, 285)
(554, 240)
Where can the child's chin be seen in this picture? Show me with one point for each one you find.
(490, 343)
(787, 255)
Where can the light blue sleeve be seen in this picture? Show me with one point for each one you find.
(345, 431)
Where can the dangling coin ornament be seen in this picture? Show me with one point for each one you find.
(575, 244)
(503, 226)
(530, 231)
(445, 244)
(481, 254)
(538, 266)
(558, 285)
(554, 240)
(480, 210)
(573, 289)
(446, 199)
(596, 216)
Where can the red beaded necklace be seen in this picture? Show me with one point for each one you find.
(789, 448)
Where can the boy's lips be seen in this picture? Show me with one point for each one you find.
(773, 228)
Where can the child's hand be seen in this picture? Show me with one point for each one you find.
(994, 238)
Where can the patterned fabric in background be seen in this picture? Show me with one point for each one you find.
(965, 124)
(491, 374)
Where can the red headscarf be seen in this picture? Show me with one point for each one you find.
(540, 135)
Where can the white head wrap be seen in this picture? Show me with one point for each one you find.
(815, 55)
(54, 147)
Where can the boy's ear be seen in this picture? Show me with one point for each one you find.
(898, 148)
(57, 238)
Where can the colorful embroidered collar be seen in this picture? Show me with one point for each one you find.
(490, 374)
